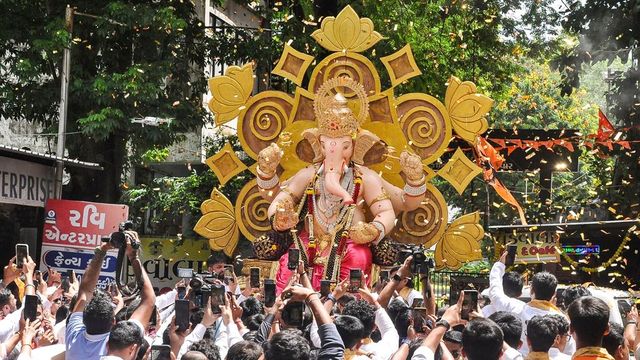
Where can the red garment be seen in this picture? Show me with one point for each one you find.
(356, 257)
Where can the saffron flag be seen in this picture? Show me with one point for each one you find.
(605, 129)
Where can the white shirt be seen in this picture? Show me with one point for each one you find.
(423, 353)
(556, 354)
(488, 310)
(499, 300)
(511, 354)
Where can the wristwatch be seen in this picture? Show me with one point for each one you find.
(443, 322)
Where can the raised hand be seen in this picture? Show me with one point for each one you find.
(268, 160)
(285, 217)
(411, 165)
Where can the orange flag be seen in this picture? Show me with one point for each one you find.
(505, 194)
(605, 129)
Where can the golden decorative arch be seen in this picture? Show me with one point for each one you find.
(415, 122)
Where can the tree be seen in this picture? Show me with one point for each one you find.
(606, 31)
(129, 59)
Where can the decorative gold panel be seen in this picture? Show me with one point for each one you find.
(268, 269)
(401, 66)
(251, 211)
(218, 223)
(460, 243)
(459, 171)
(425, 122)
(353, 65)
(230, 92)
(346, 32)
(225, 164)
(426, 224)
(262, 120)
(292, 64)
(467, 109)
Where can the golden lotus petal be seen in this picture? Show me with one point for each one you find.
(467, 109)
(460, 242)
(347, 32)
(218, 223)
(230, 92)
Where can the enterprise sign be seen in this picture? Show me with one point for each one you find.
(581, 250)
(25, 183)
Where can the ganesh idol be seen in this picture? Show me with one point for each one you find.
(335, 210)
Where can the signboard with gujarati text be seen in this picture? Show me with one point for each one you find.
(25, 183)
(533, 246)
(73, 229)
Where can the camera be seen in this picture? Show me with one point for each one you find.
(420, 264)
(118, 239)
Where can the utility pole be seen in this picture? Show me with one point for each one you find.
(64, 102)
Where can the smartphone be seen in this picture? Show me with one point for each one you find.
(71, 276)
(64, 283)
(325, 287)
(218, 297)
(182, 314)
(469, 304)
(384, 276)
(293, 314)
(185, 273)
(30, 310)
(228, 274)
(254, 277)
(417, 303)
(160, 352)
(355, 280)
(182, 292)
(269, 292)
(22, 253)
(420, 320)
(294, 259)
(511, 254)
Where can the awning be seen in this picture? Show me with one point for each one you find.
(48, 157)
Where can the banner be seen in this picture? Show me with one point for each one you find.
(533, 246)
(162, 256)
(73, 229)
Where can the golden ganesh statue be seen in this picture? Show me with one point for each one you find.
(345, 197)
(330, 198)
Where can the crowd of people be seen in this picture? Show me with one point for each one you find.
(392, 320)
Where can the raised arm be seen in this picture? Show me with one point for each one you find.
(631, 328)
(387, 292)
(451, 318)
(499, 299)
(90, 277)
(147, 296)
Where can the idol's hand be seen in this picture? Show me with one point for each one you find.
(285, 216)
(411, 165)
(363, 233)
(268, 160)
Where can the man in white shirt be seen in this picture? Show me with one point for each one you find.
(562, 338)
(124, 341)
(511, 327)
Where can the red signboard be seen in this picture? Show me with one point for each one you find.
(80, 224)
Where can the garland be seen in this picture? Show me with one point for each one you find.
(576, 265)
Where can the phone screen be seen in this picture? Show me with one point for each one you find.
(182, 292)
(420, 320)
(228, 274)
(22, 252)
(254, 277)
(294, 259)
(511, 254)
(218, 293)
(160, 352)
(469, 304)
(182, 314)
(185, 273)
(269, 292)
(65, 283)
(71, 276)
(294, 315)
(30, 307)
(384, 276)
(417, 303)
(325, 287)
(355, 280)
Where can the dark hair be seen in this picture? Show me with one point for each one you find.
(124, 334)
(541, 333)
(253, 322)
(562, 324)
(589, 318)
(350, 329)
(98, 314)
(345, 299)
(363, 311)
(288, 345)
(62, 313)
(217, 257)
(512, 284)
(207, 347)
(251, 306)
(482, 340)
(413, 346)
(402, 321)
(614, 339)
(244, 350)
(5, 297)
(571, 293)
(543, 285)
(454, 336)
(510, 325)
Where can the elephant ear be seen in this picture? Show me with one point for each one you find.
(312, 139)
(365, 140)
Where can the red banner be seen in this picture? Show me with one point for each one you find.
(80, 224)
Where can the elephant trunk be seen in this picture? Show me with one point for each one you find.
(333, 171)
